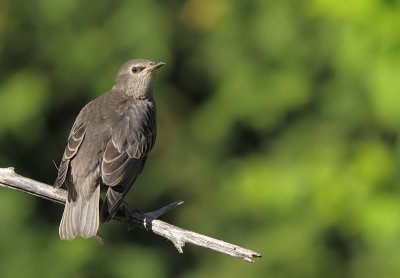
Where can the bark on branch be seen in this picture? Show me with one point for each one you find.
(148, 221)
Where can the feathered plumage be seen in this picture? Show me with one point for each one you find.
(108, 147)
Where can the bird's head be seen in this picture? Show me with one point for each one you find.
(136, 77)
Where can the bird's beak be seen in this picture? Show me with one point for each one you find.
(156, 66)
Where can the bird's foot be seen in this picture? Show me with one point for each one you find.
(128, 211)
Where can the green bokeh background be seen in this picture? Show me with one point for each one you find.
(278, 125)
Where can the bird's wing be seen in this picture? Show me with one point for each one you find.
(126, 152)
(131, 140)
(74, 141)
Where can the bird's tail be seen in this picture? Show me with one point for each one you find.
(81, 217)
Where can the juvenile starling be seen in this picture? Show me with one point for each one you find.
(108, 147)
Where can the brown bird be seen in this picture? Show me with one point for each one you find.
(108, 147)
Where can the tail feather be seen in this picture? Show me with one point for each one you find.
(81, 217)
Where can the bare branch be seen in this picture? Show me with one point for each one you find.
(131, 216)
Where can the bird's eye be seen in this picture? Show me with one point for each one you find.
(135, 70)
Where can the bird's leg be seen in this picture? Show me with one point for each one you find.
(128, 210)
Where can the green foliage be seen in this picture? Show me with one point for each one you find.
(278, 125)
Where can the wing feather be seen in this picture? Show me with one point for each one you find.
(74, 141)
(126, 152)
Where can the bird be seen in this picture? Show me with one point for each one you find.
(107, 148)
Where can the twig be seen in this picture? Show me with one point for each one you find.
(178, 236)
